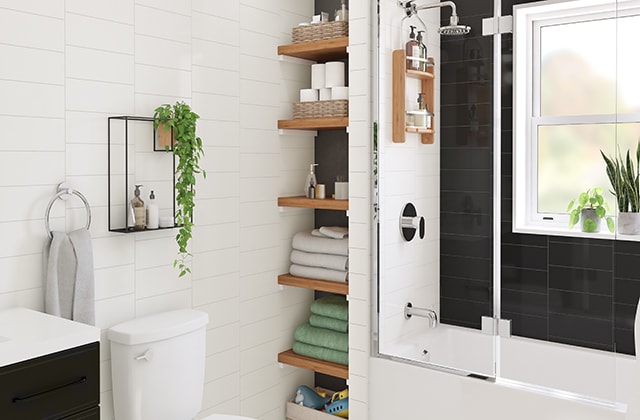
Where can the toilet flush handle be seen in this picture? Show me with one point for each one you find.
(147, 355)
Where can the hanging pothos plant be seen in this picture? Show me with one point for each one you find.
(187, 147)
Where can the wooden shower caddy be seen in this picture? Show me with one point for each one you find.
(399, 95)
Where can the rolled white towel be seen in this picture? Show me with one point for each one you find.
(318, 273)
(333, 262)
(334, 232)
(304, 241)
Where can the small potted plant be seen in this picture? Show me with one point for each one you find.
(188, 149)
(589, 208)
(623, 176)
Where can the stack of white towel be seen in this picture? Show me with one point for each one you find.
(321, 254)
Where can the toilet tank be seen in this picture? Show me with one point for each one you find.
(157, 366)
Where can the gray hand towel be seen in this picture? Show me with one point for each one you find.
(304, 241)
(69, 283)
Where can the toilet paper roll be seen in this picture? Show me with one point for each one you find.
(334, 74)
(340, 92)
(308, 95)
(325, 94)
(318, 76)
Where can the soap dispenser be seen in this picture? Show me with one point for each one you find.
(153, 215)
(138, 210)
(342, 13)
(412, 49)
(311, 182)
(422, 65)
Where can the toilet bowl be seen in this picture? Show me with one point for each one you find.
(157, 367)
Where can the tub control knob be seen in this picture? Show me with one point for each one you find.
(147, 355)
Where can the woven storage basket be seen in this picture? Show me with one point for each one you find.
(321, 109)
(318, 31)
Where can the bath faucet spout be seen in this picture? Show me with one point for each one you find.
(429, 314)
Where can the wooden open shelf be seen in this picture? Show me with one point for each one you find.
(332, 123)
(399, 94)
(313, 203)
(288, 357)
(323, 50)
(314, 284)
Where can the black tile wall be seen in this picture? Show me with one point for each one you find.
(574, 291)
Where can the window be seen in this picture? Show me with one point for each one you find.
(576, 93)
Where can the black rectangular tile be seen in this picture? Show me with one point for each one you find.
(524, 256)
(626, 291)
(625, 343)
(465, 181)
(521, 279)
(581, 304)
(577, 255)
(510, 238)
(579, 279)
(468, 268)
(524, 302)
(624, 316)
(626, 247)
(587, 330)
(465, 93)
(469, 115)
(580, 343)
(474, 69)
(626, 266)
(465, 224)
(471, 290)
(527, 326)
(506, 211)
(461, 159)
(463, 313)
(466, 202)
(459, 136)
(465, 246)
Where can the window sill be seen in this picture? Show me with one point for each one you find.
(574, 233)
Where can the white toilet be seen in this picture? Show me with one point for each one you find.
(157, 367)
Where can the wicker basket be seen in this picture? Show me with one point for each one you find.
(318, 31)
(321, 109)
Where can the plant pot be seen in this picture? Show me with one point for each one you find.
(589, 221)
(629, 223)
(165, 138)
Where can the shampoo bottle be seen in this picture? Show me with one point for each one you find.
(137, 204)
(422, 65)
(153, 215)
(311, 182)
(412, 49)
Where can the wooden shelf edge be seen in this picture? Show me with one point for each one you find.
(417, 74)
(313, 203)
(288, 357)
(325, 49)
(421, 130)
(331, 123)
(314, 284)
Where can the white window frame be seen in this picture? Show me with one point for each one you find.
(528, 19)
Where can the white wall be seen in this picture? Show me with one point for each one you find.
(66, 67)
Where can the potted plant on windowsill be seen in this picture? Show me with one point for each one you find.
(589, 208)
(187, 147)
(623, 176)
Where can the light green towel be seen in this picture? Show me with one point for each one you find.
(332, 306)
(305, 333)
(321, 353)
(332, 324)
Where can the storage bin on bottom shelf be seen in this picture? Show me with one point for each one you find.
(300, 412)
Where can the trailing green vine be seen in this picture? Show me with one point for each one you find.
(187, 147)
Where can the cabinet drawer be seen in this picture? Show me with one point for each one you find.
(52, 387)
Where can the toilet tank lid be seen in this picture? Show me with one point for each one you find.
(156, 327)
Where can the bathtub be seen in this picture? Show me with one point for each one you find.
(592, 376)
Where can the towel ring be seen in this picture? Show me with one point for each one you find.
(64, 191)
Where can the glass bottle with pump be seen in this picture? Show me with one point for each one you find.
(137, 204)
(412, 49)
(311, 182)
(422, 66)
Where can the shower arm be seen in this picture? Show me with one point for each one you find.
(410, 8)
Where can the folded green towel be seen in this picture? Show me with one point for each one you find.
(332, 324)
(321, 353)
(305, 333)
(333, 306)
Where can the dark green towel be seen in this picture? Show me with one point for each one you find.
(321, 337)
(332, 306)
(332, 324)
(321, 353)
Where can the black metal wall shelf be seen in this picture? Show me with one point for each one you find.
(125, 156)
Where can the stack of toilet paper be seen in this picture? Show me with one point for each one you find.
(327, 83)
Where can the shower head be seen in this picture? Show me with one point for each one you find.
(454, 28)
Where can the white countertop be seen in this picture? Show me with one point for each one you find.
(25, 334)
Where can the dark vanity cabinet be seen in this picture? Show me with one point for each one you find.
(62, 385)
